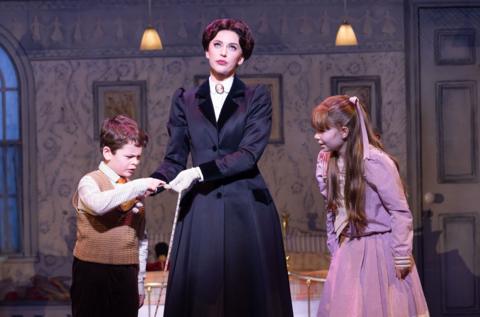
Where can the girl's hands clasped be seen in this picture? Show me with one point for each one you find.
(402, 272)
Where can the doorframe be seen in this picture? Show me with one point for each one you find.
(414, 146)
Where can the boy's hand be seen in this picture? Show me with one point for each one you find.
(141, 299)
(154, 184)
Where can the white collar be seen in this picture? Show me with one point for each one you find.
(227, 84)
(109, 172)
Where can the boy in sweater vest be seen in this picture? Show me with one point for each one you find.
(111, 248)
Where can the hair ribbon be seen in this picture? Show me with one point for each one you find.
(365, 142)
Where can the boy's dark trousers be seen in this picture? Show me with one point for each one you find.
(104, 290)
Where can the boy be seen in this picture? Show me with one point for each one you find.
(111, 248)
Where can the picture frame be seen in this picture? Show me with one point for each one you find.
(111, 98)
(273, 82)
(368, 91)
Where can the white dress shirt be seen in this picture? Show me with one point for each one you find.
(219, 99)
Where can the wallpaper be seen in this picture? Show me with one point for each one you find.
(73, 45)
(67, 148)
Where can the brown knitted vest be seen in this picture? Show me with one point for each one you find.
(111, 238)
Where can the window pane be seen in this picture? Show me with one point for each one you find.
(13, 223)
(2, 99)
(12, 114)
(7, 70)
(3, 227)
(13, 169)
(2, 173)
(10, 240)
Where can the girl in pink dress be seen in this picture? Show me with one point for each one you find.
(369, 223)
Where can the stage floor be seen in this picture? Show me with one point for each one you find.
(300, 309)
(303, 284)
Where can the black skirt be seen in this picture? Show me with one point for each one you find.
(228, 258)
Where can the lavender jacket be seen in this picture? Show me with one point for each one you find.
(386, 206)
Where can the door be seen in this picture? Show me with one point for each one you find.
(449, 61)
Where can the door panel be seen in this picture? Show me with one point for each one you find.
(458, 261)
(449, 86)
(456, 131)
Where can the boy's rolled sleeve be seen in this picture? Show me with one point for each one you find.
(97, 203)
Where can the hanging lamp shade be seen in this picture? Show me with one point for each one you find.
(345, 35)
(150, 40)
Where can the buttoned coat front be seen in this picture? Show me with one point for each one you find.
(227, 257)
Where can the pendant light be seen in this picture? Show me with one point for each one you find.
(345, 34)
(150, 39)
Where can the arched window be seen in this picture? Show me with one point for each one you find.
(18, 193)
(10, 158)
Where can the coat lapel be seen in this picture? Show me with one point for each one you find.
(234, 98)
(205, 102)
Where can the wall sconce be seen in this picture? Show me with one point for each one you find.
(345, 35)
(150, 38)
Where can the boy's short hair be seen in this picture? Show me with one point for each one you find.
(120, 130)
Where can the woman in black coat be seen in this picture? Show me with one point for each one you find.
(227, 256)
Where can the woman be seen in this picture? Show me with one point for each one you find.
(227, 257)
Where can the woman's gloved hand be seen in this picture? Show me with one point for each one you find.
(185, 179)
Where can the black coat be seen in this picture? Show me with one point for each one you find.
(227, 257)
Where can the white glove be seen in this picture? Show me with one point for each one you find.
(185, 179)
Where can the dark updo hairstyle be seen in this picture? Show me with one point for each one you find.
(238, 26)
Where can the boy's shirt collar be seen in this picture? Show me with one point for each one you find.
(109, 172)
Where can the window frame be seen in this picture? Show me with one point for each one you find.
(26, 91)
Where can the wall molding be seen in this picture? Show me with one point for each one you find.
(109, 29)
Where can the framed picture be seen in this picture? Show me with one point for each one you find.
(119, 97)
(367, 89)
(274, 86)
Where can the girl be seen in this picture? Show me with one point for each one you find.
(369, 223)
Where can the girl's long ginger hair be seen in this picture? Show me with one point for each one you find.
(338, 111)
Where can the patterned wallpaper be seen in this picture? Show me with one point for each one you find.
(67, 149)
(64, 77)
